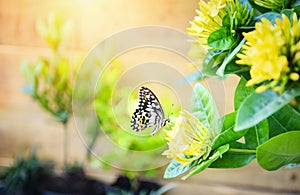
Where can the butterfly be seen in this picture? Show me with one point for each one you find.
(148, 113)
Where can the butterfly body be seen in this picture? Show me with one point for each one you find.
(149, 112)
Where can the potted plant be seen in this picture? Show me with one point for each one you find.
(259, 42)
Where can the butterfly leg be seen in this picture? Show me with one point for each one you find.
(154, 130)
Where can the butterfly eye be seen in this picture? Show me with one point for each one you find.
(166, 121)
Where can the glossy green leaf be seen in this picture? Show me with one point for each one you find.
(281, 123)
(230, 160)
(227, 133)
(212, 59)
(257, 135)
(296, 3)
(259, 106)
(257, 7)
(288, 12)
(241, 93)
(271, 16)
(297, 106)
(238, 145)
(230, 56)
(227, 21)
(204, 108)
(297, 10)
(296, 7)
(233, 68)
(206, 163)
(175, 168)
(279, 151)
(221, 39)
(238, 155)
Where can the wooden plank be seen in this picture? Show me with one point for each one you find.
(253, 176)
(92, 20)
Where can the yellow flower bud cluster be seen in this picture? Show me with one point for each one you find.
(273, 52)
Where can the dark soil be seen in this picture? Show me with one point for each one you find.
(72, 186)
(123, 184)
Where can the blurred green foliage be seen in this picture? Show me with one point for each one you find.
(114, 106)
(50, 79)
(25, 173)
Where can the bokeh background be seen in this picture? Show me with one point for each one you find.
(24, 124)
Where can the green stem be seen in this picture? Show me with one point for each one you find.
(241, 151)
(65, 149)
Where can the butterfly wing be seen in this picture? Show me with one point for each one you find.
(148, 113)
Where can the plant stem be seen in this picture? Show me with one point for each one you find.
(241, 151)
(65, 154)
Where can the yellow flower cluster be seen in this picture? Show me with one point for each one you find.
(209, 19)
(269, 50)
(188, 140)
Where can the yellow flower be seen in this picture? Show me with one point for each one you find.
(270, 51)
(209, 19)
(188, 140)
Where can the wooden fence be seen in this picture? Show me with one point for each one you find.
(23, 124)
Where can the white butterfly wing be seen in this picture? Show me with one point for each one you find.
(148, 113)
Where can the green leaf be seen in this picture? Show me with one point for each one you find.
(297, 106)
(206, 163)
(204, 108)
(229, 58)
(175, 168)
(257, 135)
(259, 106)
(238, 155)
(230, 160)
(233, 68)
(296, 7)
(227, 21)
(227, 133)
(241, 93)
(297, 10)
(284, 120)
(296, 3)
(288, 12)
(257, 7)
(279, 151)
(221, 39)
(212, 59)
(271, 16)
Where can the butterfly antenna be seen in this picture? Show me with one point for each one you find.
(170, 111)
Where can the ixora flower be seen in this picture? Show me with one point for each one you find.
(224, 16)
(188, 140)
(209, 19)
(273, 52)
